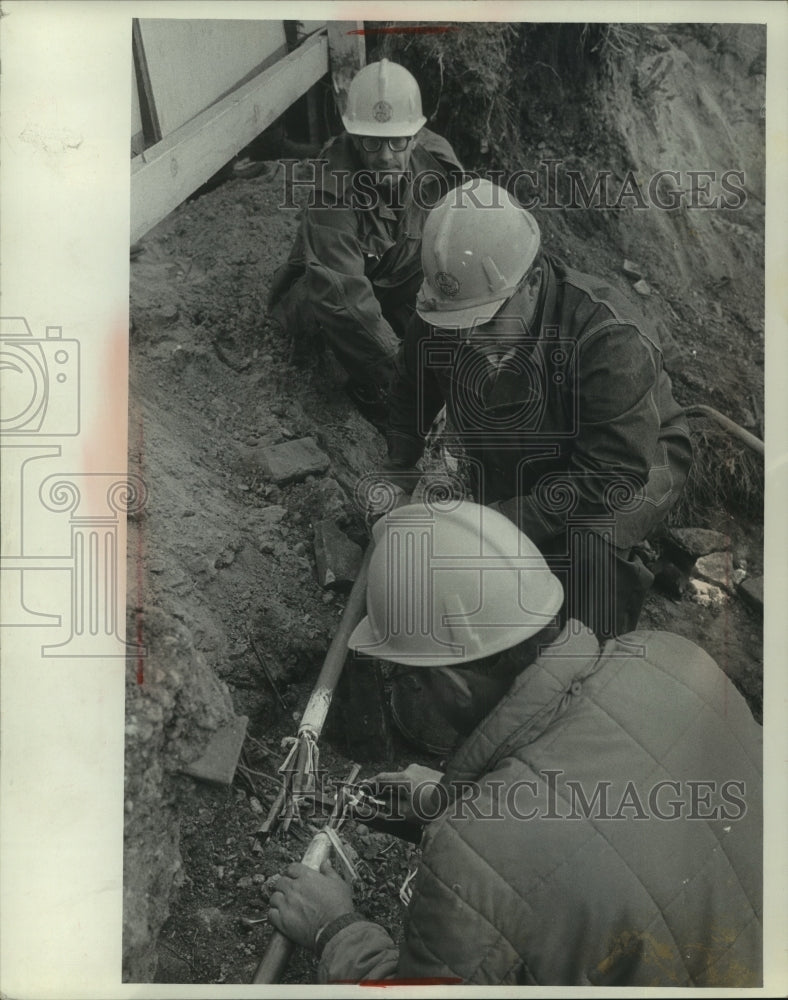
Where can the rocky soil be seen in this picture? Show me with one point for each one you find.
(223, 578)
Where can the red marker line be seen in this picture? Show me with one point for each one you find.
(407, 29)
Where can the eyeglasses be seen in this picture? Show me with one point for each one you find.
(372, 144)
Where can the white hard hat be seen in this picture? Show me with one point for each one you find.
(383, 99)
(452, 582)
(477, 246)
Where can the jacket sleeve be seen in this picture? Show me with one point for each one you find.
(339, 290)
(415, 398)
(362, 950)
(447, 939)
(617, 419)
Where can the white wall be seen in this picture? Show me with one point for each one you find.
(193, 63)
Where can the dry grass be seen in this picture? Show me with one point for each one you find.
(468, 84)
(485, 85)
(726, 476)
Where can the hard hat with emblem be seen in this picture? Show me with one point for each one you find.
(452, 582)
(477, 246)
(383, 99)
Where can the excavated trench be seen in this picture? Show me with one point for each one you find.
(223, 579)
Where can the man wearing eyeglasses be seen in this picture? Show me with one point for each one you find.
(355, 267)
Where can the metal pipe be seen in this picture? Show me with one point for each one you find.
(733, 428)
(298, 782)
(280, 948)
(316, 710)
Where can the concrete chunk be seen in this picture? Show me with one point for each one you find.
(631, 270)
(293, 461)
(220, 759)
(698, 542)
(338, 558)
(717, 568)
(751, 590)
(642, 288)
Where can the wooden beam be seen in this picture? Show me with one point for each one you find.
(346, 54)
(167, 173)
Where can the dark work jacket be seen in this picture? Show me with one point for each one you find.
(353, 255)
(606, 831)
(572, 419)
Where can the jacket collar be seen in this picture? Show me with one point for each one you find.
(537, 696)
(547, 298)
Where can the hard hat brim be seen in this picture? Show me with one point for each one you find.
(387, 130)
(462, 319)
(364, 640)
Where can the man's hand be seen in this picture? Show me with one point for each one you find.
(416, 793)
(306, 900)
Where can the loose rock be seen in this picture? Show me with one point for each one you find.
(717, 568)
(269, 516)
(751, 590)
(338, 557)
(333, 500)
(631, 270)
(220, 758)
(293, 461)
(697, 542)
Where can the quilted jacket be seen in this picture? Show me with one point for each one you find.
(625, 783)
(573, 418)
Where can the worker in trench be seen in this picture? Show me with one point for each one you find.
(355, 267)
(600, 824)
(558, 405)
(557, 400)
